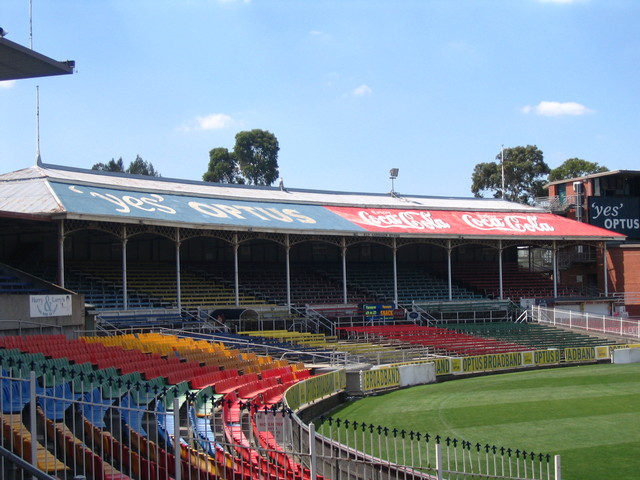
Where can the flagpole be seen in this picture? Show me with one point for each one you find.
(502, 164)
(38, 159)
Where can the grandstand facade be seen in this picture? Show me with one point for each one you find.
(129, 242)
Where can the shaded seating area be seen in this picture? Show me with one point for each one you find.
(308, 285)
(414, 284)
(11, 285)
(141, 319)
(517, 282)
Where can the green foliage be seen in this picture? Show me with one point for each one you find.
(257, 155)
(142, 167)
(524, 175)
(111, 166)
(137, 167)
(254, 160)
(575, 168)
(222, 167)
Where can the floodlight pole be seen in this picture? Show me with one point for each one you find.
(393, 174)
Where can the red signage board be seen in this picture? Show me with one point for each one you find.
(445, 222)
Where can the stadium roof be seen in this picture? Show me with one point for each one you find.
(18, 62)
(52, 192)
(608, 173)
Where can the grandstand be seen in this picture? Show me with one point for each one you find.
(216, 315)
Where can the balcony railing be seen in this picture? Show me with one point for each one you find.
(557, 203)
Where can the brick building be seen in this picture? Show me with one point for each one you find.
(610, 200)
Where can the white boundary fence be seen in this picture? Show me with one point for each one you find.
(586, 321)
(375, 451)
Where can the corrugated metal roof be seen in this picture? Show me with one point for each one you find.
(31, 197)
(48, 190)
(263, 194)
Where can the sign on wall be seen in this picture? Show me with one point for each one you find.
(95, 201)
(379, 311)
(619, 214)
(49, 306)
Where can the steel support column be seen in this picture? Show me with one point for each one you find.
(287, 248)
(236, 281)
(449, 272)
(395, 271)
(555, 269)
(605, 272)
(125, 295)
(61, 237)
(500, 270)
(344, 270)
(178, 279)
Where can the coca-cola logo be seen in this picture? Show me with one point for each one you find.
(405, 219)
(513, 223)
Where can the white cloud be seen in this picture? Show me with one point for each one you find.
(556, 109)
(7, 84)
(362, 90)
(213, 121)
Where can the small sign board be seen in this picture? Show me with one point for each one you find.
(49, 306)
(379, 311)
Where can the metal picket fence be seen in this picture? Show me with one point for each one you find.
(421, 455)
(590, 322)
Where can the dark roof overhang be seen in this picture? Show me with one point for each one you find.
(18, 62)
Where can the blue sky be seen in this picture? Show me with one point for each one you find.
(349, 88)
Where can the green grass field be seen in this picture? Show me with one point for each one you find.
(589, 415)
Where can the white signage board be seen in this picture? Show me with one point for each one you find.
(49, 306)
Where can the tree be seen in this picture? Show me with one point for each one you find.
(222, 167)
(142, 167)
(574, 168)
(257, 155)
(137, 167)
(524, 175)
(111, 166)
(254, 160)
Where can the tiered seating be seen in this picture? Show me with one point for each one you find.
(86, 459)
(534, 335)
(140, 319)
(307, 287)
(10, 284)
(324, 345)
(16, 437)
(149, 286)
(278, 465)
(414, 284)
(140, 457)
(439, 340)
(517, 282)
(159, 281)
